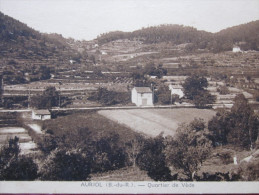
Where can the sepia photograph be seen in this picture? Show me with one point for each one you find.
(136, 96)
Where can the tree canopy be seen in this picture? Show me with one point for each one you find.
(63, 165)
(48, 99)
(15, 167)
(189, 148)
(152, 159)
(195, 89)
(238, 127)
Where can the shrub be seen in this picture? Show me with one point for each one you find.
(64, 165)
(106, 97)
(16, 167)
(188, 149)
(249, 171)
(223, 90)
(152, 159)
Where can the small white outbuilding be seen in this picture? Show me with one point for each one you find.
(142, 96)
(41, 115)
(176, 90)
(236, 49)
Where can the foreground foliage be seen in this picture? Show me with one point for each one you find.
(189, 148)
(152, 159)
(62, 165)
(15, 167)
(238, 127)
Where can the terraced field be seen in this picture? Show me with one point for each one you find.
(25, 141)
(152, 122)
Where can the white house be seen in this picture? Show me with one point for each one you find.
(176, 90)
(142, 96)
(103, 52)
(236, 49)
(41, 115)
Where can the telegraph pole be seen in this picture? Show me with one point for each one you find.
(152, 88)
(1, 88)
(29, 97)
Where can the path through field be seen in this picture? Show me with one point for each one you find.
(152, 122)
(36, 128)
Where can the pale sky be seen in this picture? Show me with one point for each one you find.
(86, 19)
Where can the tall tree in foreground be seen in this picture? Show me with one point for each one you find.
(238, 127)
(15, 167)
(219, 126)
(189, 148)
(245, 125)
(133, 148)
(152, 159)
(64, 165)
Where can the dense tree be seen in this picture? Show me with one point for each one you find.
(152, 159)
(48, 143)
(92, 58)
(103, 152)
(220, 125)
(107, 154)
(66, 165)
(238, 127)
(106, 97)
(22, 169)
(195, 89)
(153, 70)
(133, 149)
(245, 124)
(194, 85)
(163, 95)
(223, 90)
(44, 73)
(14, 166)
(48, 99)
(189, 148)
(203, 99)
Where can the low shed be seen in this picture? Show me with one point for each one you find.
(41, 115)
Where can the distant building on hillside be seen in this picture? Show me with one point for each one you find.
(142, 96)
(176, 90)
(236, 49)
(41, 115)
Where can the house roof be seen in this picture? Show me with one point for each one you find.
(143, 89)
(42, 112)
(175, 87)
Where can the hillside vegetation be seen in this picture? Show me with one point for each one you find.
(28, 55)
(17, 39)
(178, 34)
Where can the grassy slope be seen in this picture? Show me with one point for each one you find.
(153, 122)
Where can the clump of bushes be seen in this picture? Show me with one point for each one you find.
(223, 90)
(14, 166)
(107, 98)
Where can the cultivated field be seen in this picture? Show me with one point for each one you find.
(152, 122)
